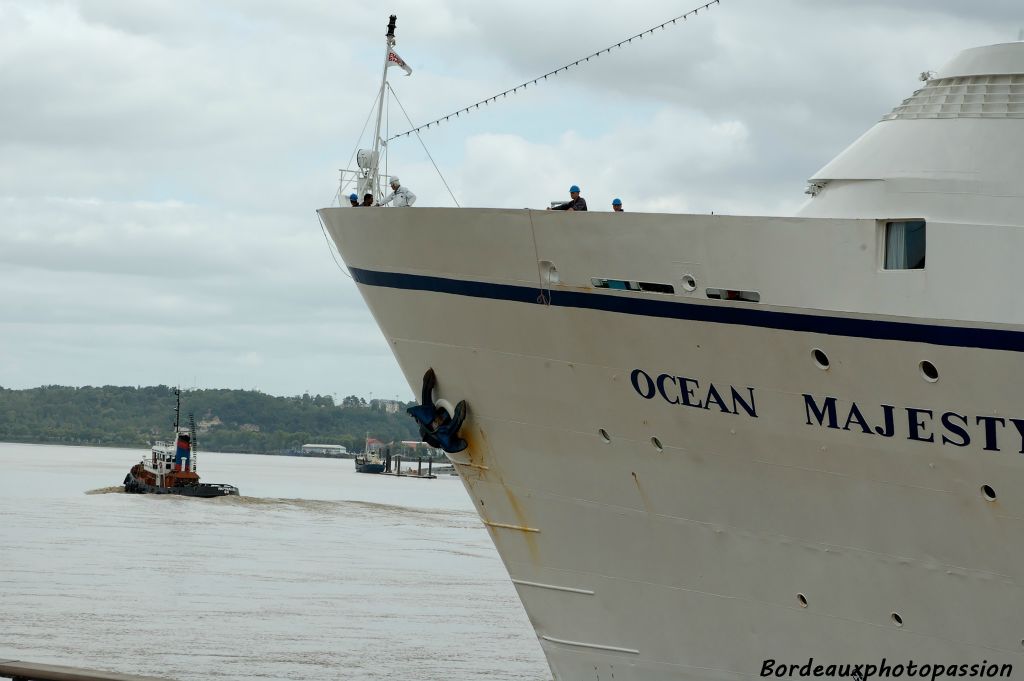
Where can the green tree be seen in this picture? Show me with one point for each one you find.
(231, 420)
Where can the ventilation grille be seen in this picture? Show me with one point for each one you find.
(965, 97)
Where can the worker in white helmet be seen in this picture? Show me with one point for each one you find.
(402, 197)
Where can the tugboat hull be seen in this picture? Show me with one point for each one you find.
(133, 485)
(369, 467)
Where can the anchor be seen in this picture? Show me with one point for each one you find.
(437, 428)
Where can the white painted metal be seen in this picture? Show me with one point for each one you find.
(696, 549)
(951, 152)
(372, 186)
(161, 459)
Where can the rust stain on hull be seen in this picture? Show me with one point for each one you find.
(477, 441)
(643, 495)
(517, 509)
(478, 453)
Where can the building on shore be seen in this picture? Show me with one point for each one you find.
(324, 450)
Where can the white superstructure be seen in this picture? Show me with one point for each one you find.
(683, 482)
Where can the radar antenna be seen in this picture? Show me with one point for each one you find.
(192, 437)
(177, 410)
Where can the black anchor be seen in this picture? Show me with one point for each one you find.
(437, 428)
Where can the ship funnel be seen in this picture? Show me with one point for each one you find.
(182, 452)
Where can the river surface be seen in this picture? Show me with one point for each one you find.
(315, 572)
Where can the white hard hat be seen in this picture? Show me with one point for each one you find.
(394, 180)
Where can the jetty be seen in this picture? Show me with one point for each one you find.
(396, 470)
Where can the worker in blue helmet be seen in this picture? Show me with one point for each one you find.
(617, 205)
(576, 202)
(354, 200)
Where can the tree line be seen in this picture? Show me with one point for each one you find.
(246, 421)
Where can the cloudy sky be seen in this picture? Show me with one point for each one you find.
(161, 160)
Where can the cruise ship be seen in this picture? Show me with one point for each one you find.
(732, 447)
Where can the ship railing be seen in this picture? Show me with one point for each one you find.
(349, 180)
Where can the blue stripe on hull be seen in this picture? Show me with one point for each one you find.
(953, 336)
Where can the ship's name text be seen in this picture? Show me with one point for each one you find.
(914, 423)
(688, 392)
(948, 428)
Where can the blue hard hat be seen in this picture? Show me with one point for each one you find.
(574, 188)
(616, 202)
(353, 197)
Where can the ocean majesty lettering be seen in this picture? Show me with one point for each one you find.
(688, 392)
(915, 423)
(947, 428)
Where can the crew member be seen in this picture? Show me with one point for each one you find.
(354, 200)
(617, 205)
(367, 200)
(576, 202)
(402, 197)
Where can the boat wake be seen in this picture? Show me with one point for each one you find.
(345, 507)
(116, 489)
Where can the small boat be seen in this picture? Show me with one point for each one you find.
(171, 467)
(370, 461)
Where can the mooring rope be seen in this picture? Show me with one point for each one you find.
(330, 247)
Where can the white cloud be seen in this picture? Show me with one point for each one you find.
(618, 163)
(162, 160)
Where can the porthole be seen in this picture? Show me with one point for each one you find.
(656, 443)
(820, 358)
(988, 492)
(802, 600)
(897, 620)
(689, 283)
(604, 436)
(928, 371)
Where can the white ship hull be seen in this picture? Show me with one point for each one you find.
(690, 561)
(713, 447)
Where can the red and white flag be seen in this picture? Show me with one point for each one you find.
(393, 58)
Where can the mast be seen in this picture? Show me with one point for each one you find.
(371, 183)
(177, 411)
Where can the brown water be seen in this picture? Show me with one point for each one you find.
(316, 572)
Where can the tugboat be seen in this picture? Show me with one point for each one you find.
(171, 468)
(369, 461)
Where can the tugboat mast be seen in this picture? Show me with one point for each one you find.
(370, 182)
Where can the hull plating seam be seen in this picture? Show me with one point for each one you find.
(952, 336)
(595, 646)
(553, 587)
(506, 526)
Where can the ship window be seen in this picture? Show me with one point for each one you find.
(625, 285)
(730, 294)
(905, 245)
(655, 287)
(616, 284)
